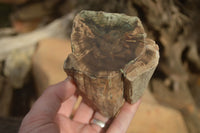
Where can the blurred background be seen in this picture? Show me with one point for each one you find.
(35, 40)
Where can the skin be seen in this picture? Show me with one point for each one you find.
(51, 113)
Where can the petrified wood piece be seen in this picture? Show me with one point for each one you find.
(111, 59)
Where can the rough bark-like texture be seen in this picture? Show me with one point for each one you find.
(174, 25)
(111, 59)
(138, 73)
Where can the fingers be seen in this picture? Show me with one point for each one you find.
(122, 121)
(98, 116)
(50, 101)
(83, 113)
(67, 106)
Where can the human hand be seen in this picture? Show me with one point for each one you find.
(51, 114)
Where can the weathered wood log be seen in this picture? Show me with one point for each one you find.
(8, 44)
(111, 59)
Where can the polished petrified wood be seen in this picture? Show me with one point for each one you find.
(111, 59)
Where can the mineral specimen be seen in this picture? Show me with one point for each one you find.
(111, 60)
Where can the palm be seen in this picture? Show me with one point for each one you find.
(51, 114)
(80, 123)
(69, 126)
